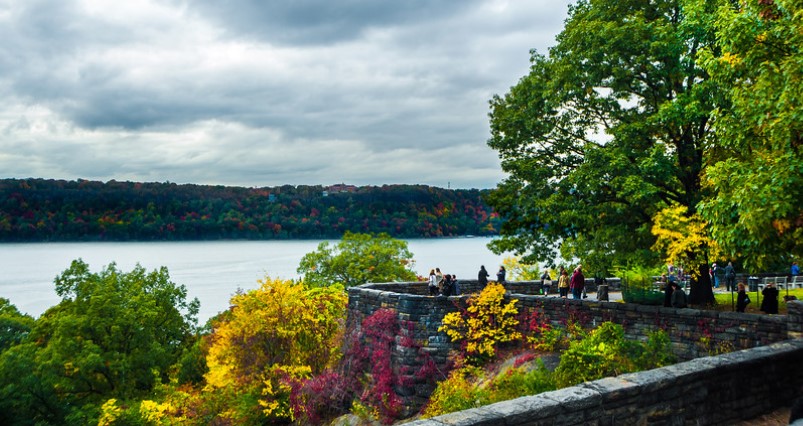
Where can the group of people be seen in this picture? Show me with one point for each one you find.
(482, 276)
(574, 283)
(440, 284)
(718, 274)
(769, 303)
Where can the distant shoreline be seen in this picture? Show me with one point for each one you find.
(39, 210)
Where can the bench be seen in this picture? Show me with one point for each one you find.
(780, 282)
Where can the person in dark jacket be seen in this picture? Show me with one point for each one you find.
(500, 276)
(770, 302)
(482, 276)
(577, 283)
(730, 277)
(741, 298)
(446, 285)
(668, 288)
(678, 296)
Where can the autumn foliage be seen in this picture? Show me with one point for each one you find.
(487, 322)
(274, 335)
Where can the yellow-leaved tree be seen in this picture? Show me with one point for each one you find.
(518, 270)
(280, 332)
(488, 321)
(685, 240)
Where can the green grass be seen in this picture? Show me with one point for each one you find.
(724, 301)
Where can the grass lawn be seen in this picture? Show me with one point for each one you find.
(724, 301)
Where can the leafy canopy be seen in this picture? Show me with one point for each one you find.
(358, 259)
(115, 334)
(603, 134)
(280, 332)
(14, 326)
(758, 176)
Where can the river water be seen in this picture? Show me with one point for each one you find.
(212, 271)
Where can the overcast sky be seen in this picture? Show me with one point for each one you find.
(262, 93)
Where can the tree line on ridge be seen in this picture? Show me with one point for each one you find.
(82, 210)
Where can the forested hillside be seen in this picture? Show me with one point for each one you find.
(58, 210)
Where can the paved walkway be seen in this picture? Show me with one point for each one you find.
(613, 296)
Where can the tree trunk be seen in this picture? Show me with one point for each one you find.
(702, 293)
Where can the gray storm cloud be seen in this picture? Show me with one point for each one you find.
(259, 93)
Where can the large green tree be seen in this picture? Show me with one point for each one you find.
(358, 259)
(14, 325)
(757, 215)
(604, 133)
(115, 334)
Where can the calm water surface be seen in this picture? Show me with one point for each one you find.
(211, 271)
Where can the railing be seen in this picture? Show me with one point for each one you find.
(642, 292)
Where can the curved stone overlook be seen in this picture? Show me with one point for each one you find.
(420, 316)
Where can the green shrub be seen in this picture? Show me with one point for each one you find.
(605, 352)
(521, 381)
(592, 358)
(458, 392)
(637, 285)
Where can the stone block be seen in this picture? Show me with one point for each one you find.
(474, 417)
(576, 397)
(527, 410)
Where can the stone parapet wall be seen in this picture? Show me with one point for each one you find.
(419, 318)
(720, 390)
(693, 333)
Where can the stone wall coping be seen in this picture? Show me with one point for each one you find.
(578, 402)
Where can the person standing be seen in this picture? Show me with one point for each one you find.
(668, 289)
(439, 279)
(546, 282)
(770, 302)
(730, 277)
(577, 282)
(433, 283)
(678, 296)
(446, 287)
(794, 270)
(500, 275)
(742, 299)
(671, 270)
(715, 273)
(482, 277)
(563, 283)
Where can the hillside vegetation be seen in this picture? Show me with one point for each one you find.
(58, 210)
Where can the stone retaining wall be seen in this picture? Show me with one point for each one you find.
(720, 390)
(694, 333)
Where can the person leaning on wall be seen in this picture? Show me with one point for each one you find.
(678, 296)
(500, 276)
(482, 277)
